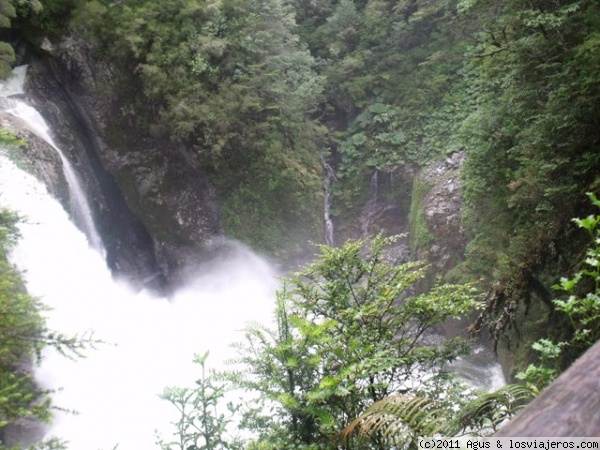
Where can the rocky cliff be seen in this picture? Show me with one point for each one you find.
(424, 205)
(442, 211)
(154, 207)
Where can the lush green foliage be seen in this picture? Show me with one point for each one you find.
(581, 307)
(8, 12)
(532, 143)
(21, 331)
(350, 349)
(399, 419)
(261, 90)
(420, 237)
(200, 426)
(231, 80)
(22, 336)
(348, 334)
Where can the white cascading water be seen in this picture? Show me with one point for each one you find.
(150, 342)
(13, 85)
(80, 208)
(480, 369)
(329, 176)
(370, 207)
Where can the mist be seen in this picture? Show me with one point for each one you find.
(148, 343)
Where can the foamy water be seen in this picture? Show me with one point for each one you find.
(150, 342)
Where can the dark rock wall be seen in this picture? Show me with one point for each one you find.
(153, 206)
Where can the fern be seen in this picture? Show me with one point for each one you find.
(399, 420)
(488, 411)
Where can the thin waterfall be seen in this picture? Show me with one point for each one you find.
(34, 122)
(375, 186)
(329, 176)
(79, 207)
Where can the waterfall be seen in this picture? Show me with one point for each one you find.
(34, 122)
(150, 342)
(371, 205)
(329, 176)
(80, 207)
(13, 85)
(480, 369)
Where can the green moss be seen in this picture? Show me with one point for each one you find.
(279, 221)
(350, 193)
(420, 236)
(12, 146)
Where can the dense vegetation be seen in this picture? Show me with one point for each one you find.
(21, 331)
(231, 80)
(266, 91)
(341, 342)
(346, 365)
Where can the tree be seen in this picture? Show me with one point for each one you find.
(8, 12)
(532, 150)
(350, 331)
(581, 307)
(200, 426)
(21, 332)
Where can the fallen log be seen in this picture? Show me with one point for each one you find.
(569, 407)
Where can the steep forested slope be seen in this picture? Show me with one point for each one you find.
(232, 81)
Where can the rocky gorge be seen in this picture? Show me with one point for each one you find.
(185, 138)
(157, 211)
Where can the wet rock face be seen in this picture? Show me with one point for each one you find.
(389, 212)
(153, 205)
(443, 207)
(36, 157)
